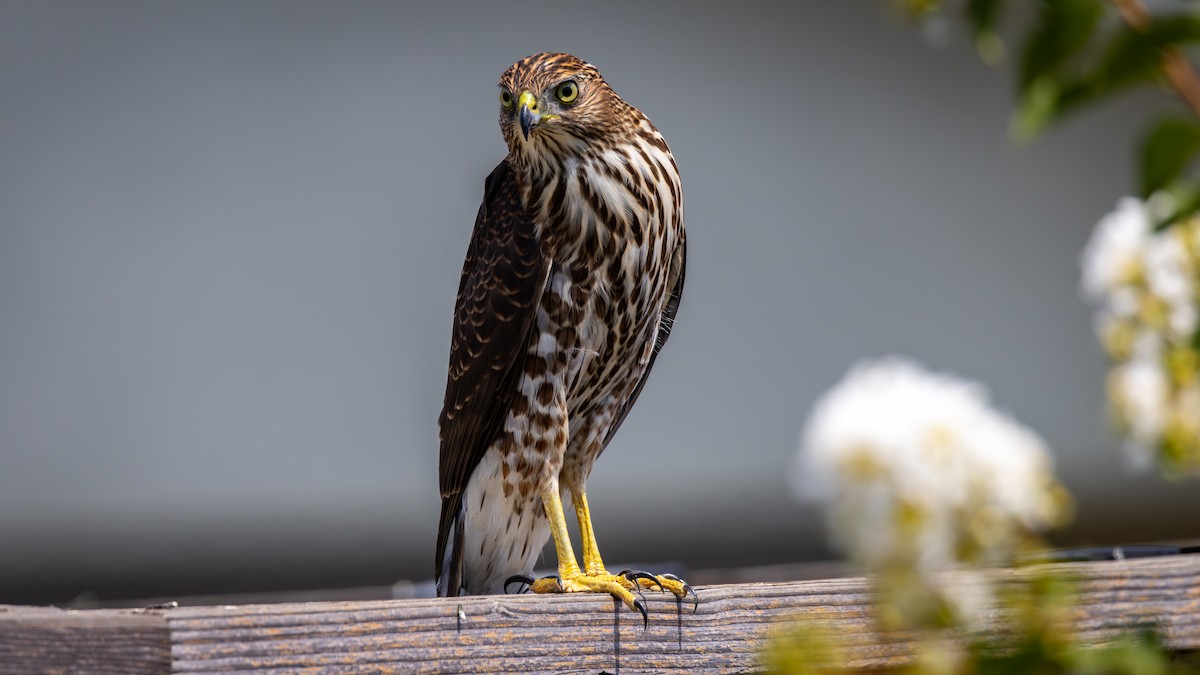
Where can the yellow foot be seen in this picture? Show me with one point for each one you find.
(617, 585)
(664, 582)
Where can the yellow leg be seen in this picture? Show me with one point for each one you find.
(594, 565)
(570, 578)
(591, 553)
(567, 566)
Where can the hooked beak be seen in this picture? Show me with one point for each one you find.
(528, 114)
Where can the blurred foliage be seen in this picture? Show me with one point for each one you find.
(1033, 635)
(1038, 637)
(1144, 272)
(812, 647)
(1071, 54)
(1075, 53)
(1166, 150)
(1145, 284)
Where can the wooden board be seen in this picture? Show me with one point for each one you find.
(50, 640)
(559, 633)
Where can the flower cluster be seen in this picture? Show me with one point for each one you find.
(1146, 286)
(921, 476)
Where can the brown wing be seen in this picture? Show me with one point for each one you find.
(498, 295)
(675, 283)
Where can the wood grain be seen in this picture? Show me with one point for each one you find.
(551, 634)
(48, 640)
(576, 633)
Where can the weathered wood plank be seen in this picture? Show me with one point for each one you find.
(567, 633)
(576, 633)
(48, 640)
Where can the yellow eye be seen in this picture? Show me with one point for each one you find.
(567, 92)
(506, 98)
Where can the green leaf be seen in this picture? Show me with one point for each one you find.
(1037, 107)
(1129, 57)
(984, 17)
(1185, 197)
(1166, 150)
(1134, 56)
(1063, 29)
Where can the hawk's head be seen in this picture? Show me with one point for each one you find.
(551, 102)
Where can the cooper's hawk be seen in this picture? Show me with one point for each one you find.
(571, 283)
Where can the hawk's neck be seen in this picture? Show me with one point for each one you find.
(604, 199)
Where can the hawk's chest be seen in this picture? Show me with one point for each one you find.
(604, 332)
(610, 220)
(618, 205)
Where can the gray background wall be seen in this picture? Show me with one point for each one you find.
(231, 232)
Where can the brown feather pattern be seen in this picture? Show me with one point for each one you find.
(569, 291)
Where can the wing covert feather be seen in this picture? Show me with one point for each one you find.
(502, 281)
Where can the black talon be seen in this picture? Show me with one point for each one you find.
(518, 578)
(636, 586)
(686, 589)
(637, 604)
(634, 575)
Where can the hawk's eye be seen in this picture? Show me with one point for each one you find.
(567, 92)
(506, 98)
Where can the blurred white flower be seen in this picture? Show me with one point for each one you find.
(1146, 285)
(1147, 346)
(920, 475)
(1171, 277)
(1112, 258)
(1139, 392)
(1187, 407)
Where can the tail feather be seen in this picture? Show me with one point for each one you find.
(448, 565)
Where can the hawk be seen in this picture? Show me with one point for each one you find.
(570, 287)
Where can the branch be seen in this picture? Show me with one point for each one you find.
(1179, 71)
